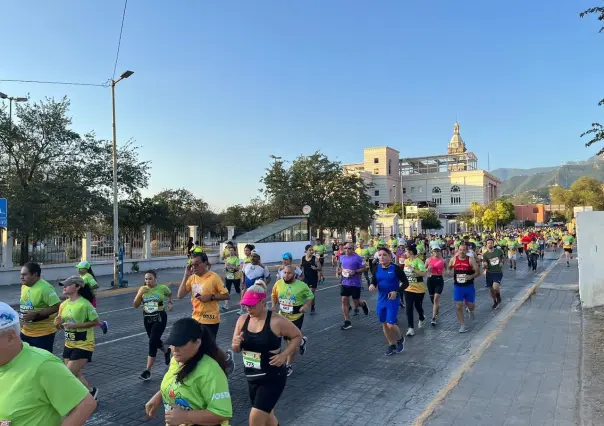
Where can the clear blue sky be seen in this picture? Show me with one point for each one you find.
(220, 85)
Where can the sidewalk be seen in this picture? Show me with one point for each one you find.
(530, 373)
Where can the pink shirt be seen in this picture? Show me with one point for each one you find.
(438, 265)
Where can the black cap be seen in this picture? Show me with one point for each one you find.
(184, 331)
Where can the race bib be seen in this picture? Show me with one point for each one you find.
(151, 307)
(167, 407)
(251, 359)
(494, 261)
(401, 261)
(230, 275)
(345, 274)
(462, 278)
(286, 308)
(70, 336)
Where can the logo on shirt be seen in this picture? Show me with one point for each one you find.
(220, 395)
(5, 422)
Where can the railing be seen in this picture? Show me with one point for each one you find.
(165, 243)
(50, 250)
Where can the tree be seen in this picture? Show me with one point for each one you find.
(429, 219)
(489, 218)
(246, 218)
(585, 191)
(506, 213)
(597, 130)
(178, 204)
(55, 179)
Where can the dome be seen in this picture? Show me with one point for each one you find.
(456, 144)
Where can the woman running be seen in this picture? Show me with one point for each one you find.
(258, 336)
(414, 294)
(390, 281)
(153, 296)
(312, 272)
(435, 266)
(194, 390)
(78, 318)
(85, 271)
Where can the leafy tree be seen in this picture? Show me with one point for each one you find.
(429, 219)
(506, 213)
(55, 179)
(585, 191)
(597, 130)
(489, 218)
(397, 208)
(246, 218)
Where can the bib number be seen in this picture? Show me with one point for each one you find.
(151, 307)
(494, 261)
(230, 275)
(462, 278)
(345, 274)
(70, 336)
(251, 359)
(286, 308)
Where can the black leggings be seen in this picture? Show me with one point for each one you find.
(155, 326)
(414, 300)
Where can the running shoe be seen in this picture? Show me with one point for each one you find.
(312, 310)
(105, 327)
(145, 375)
(433, 322)
(167, 355)
(420, 324)
(400, 345)
(230, 367)
(95, 393)
(410, 332)
(463, 329)
(365, 308)
(303, 345)
(347, 325)
(289, 369)
(495, 305)
(390, 351)
(356, 311)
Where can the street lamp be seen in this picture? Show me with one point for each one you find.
(115, 209)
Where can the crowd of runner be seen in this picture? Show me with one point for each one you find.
(268, 333)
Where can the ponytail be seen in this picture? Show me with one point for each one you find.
(86, 293)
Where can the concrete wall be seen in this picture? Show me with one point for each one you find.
(590, 240)
(54, 272)
(273, 252)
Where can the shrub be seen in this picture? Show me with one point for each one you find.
(73, 252)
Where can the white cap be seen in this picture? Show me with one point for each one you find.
(255, 253)
(8, 316)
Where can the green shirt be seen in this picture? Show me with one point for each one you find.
(76, 313)
(205, 388)
(567, 241)
(290, 297)
(421, 248)
(153, 299)
(416, 284)
(320, 249)
(230, 263)
(494, 260)
(37, 389)
(371, 250)
(35, 298)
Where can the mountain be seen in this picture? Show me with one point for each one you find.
(504, 174)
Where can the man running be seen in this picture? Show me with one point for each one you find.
(320, 250)
(464, 269)
(252, 271)
(335, 248)
(350, 269)
(292, 298)
(532, 252)
(567, 244)
(513, 246)
(390, 281)
(492, 260)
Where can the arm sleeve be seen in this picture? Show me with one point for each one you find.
(373, 277)
(275, 291)
(63, 390)
(215, 391)
(91, 314)
(266, 273)
(167, 291)
(50, 297)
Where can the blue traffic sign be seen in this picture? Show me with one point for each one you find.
(3, 213)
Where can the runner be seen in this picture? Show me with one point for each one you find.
(312, 271)
(39, 305)
(194, 390)
(350, 269)
(335, 248)
(541, 241)
(435, 266)
(258, 337)
(464, 269)
(567, 244)
(152, 297)
(390, 281)
(36, 388)
(532, 251)
(232, 274)
(513, 247)
(414, 293)
(206, 290)
(252, 271)
(371, 253)
(364, 253)
(78, 318)
(287, 261)
(320, 250)
(85, 271)
(492, 260)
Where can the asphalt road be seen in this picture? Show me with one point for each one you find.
(344, 379)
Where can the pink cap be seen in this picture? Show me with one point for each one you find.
(252, 298)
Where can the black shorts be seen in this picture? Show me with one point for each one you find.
(212, 328)
(347, 291)
(73, 354)
(568, 250)
(312, 283)
(493, 277)
(266, 391)
(298, 323)
(230, 283)
(41, 342)
(436, 284)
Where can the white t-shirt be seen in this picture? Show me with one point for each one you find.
(297, 273)
(255, 272)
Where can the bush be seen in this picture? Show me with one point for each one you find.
(135, 267)
(73, 252)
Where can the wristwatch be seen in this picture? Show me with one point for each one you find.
(213, 297)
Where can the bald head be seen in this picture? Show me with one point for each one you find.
(289, 273)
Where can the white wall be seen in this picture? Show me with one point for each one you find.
(273, 252)
(590, 240)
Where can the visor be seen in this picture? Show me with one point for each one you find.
(252, 298)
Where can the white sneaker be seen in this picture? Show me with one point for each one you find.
(420, 324)
(463, 329)
(411, 332)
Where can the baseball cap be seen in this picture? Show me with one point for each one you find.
(184, 331)
(74, 279)
(83, 265)
(287, 255)
(255, 253)
(8, 316)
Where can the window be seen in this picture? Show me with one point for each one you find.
(389, 166)
(436, 190)
(404, 190)
(455, 188)
(376, 171)
(455, 200)
(376, 192)
(437, 200)
(298, 232)
(376, 161)
(377, 203)
(412, 189)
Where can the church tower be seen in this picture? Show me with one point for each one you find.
(456, 144)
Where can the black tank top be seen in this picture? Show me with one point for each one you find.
(256, 350)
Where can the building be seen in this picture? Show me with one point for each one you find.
(450, 182)
(538, 213)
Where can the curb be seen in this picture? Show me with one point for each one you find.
(480, 350)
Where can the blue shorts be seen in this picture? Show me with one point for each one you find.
(387, 310)
(461, 293)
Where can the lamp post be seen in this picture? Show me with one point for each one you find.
(115, 209)
(11, 99)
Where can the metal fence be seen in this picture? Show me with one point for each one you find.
(165, 243)
(50, 250)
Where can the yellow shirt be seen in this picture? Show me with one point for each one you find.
(208, 283)
(35, 298)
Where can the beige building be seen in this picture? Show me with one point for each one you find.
(449, 182)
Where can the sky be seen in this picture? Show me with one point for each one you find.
(218, 86)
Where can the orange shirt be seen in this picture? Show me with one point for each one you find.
(208, 283)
